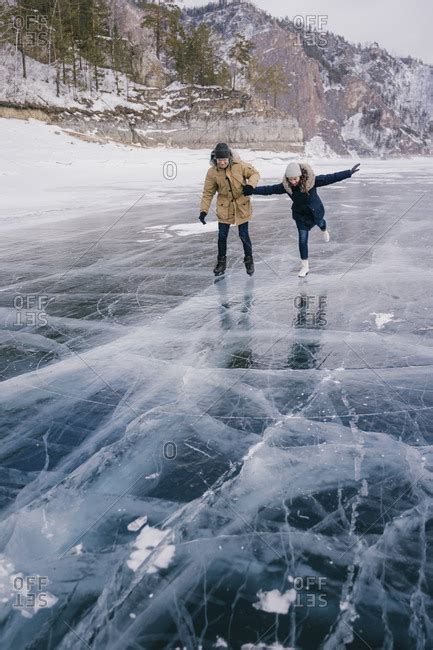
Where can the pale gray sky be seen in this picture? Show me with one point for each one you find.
(401, 28)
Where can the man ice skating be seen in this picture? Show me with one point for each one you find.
(300, 183)
(229, 176)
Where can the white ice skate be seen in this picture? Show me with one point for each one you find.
(303, 271)
(326, 236)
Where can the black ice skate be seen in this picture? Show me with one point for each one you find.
(220, 266)
(249, 264)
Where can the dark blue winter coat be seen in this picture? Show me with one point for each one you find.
(307, 207)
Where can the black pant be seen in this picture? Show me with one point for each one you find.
(223, 232)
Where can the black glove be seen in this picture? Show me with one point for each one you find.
(202, 217)
(247, 190)
(355, 168)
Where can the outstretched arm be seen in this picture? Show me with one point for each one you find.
(328, 179)
(266, 190)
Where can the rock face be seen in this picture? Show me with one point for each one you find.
(187, 116)
(356, 99)
(353, 99)
(195, 116)
(128, 18)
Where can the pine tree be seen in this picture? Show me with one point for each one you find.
(20, 21)
(277, 82)
(162, 18)
(240, 54)
(196, 61)
(99, 37)
(269, 81)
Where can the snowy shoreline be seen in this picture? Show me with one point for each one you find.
(67, 175)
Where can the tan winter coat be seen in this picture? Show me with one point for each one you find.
(232, 206)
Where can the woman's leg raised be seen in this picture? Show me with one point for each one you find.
(324, 229)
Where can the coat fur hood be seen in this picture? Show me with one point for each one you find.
(311, 178)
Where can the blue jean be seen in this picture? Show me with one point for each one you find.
(303, 238)
(223, 233)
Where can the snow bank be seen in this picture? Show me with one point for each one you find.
(48, 175)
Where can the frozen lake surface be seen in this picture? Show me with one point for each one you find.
(186, 463)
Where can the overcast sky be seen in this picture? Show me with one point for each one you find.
(401, 28)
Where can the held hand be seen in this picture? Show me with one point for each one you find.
(202, 217)
(355, 168)
(247, 190)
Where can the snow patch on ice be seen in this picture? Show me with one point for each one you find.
(274, 601)
(185, 229)
(382, 319)
(78, 549)
(147, 541)
(135, 525)
(180, 229)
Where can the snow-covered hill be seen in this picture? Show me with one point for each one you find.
(132, 113)
(39, 88)
(338, 99)
(354, 98)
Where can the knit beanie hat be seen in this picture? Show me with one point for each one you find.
(222, 150)
(292, 170)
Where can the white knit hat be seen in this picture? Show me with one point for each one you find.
(293, 169)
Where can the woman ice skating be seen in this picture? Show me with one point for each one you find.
(229, 175)
(300, 184)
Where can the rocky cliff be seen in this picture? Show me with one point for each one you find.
(355, 99)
